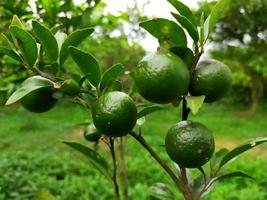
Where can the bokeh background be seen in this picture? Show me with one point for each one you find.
(32, 158)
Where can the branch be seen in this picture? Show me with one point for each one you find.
(123, 169)
(142, 141)
(112, 150)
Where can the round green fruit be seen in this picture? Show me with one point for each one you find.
(189, 144)
(161, 77)
(40, 100)
(114, 114)
(212, 79)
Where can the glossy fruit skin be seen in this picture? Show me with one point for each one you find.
(161, 77)
(40, 100)
(114, 114)
(189, 144)
(212, 79)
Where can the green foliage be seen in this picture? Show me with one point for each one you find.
(96, 160)
(191, 29)
(185, 54)
(29, 85)
(26, 44)
(167, 32)
(110, 75)
(87, 64)
(47, 40)
(184, 11)
(74, 39)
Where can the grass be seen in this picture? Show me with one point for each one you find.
(32, 155)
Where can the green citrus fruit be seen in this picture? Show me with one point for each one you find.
(40, 100)
(212, 79)
(189, 144)
(114, 114)
(161, 77)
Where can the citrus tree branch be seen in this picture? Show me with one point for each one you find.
(172, 175)
(123, 168)
(116, 186)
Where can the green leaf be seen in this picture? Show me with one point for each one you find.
(26, 44)
(185, 54)
(10, 53)
(74, 39)
(189, 27)
(202, 37)
(184, 11)
(113, 86)
(241, 149)
(91, 134)
(195, 103)
(230, 175)
(29, 85)
(216, 159)
(217, 12)
(111, 74)
(161, 191)
(7, 42)
(95, 159)
(16, 22)
(148, 110)
(60, 37)
(87, 64)
(140, 121)
(47, 39)
(167, 32)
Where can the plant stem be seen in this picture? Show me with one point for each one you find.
(43, 74)
(187, 193)
(142, 141)
(185, 111)
(116, 186)
(123, 169)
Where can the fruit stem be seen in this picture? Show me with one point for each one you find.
(187, 194)
(175, 179)
(185, 110)
(123, 168)
(197, 57)
(116, 186)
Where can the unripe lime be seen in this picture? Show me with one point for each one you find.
(212, 79)
(114, 114)
(161, 77)
(189, 144)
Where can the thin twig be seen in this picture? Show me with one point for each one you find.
(116, 186)
(142, 141)
(43, 74)
(123, 169)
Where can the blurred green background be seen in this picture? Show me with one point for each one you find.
(32, 157)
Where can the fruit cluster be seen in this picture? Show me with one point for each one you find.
(164, 78)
